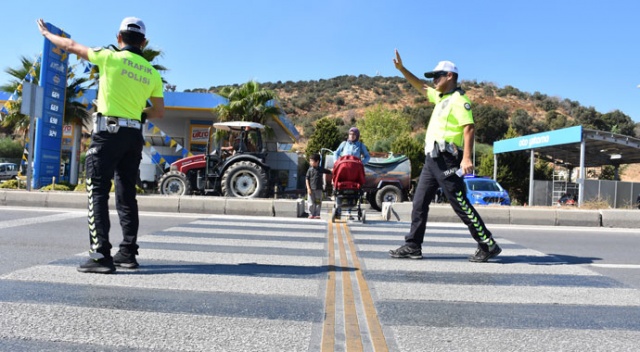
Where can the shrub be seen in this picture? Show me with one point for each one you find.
(82, 187)
(596, 203)
(55, 187)
(14, 184)
(419, 100)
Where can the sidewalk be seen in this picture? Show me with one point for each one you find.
(543, 216)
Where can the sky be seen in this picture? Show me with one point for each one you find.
(582, 50)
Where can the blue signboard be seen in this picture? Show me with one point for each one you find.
(48, 134)
(539, 140)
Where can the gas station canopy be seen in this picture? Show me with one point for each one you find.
(563, 147)
(573, 147)
(601, 148)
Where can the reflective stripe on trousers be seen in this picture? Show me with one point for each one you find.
(440, 172)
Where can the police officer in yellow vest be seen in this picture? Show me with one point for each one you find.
(448, 149)
(127, 82)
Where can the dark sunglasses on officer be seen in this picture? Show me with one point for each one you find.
(439, 74)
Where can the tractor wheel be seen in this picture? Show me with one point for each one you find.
(371, 198)
(388, 193)
(174, 183)
(244, 179)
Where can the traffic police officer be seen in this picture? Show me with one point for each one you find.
(127, 82)
(448, 148)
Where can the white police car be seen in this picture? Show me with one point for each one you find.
(485, 191)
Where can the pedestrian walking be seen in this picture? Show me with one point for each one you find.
(314, 178)
(352, 146)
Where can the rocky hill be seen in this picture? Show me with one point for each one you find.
(348, 97)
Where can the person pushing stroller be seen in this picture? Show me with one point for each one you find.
(352, 146)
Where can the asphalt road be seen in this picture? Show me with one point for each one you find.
(231, 283)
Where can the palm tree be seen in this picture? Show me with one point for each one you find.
(15, 121)
(248, 102)
(151, 55)
(75, 113)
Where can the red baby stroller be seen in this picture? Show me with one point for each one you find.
(348, 178)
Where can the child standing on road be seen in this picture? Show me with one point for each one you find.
(314, 185)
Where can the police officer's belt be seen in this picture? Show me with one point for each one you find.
(123, 122)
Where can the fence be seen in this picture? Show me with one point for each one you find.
(619, 195)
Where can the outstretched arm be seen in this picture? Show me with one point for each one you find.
(413, 80)
(66, 44)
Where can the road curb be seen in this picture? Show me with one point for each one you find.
(296, 208)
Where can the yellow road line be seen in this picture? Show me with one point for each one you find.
(375, 329)
(329, 326)
(352, 328)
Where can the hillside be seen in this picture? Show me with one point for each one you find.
(348, 97)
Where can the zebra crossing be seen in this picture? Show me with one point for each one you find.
(228, 283)
(523, 300)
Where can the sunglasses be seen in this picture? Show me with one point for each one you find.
(439, 74)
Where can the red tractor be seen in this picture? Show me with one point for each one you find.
(237, 169)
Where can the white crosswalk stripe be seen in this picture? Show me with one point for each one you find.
(232, 242)
(172, 281)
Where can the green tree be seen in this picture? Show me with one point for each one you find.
(413, 148)
(589, 118)
(490, 122)
(522, 122)
(248, 102)
(380, 127)
(617, 122)
(481, 150)
(542, 170)
(419, 115)
(326, 135)
(607, 172)
(548, 104)
(10, 149)
(555, 120)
